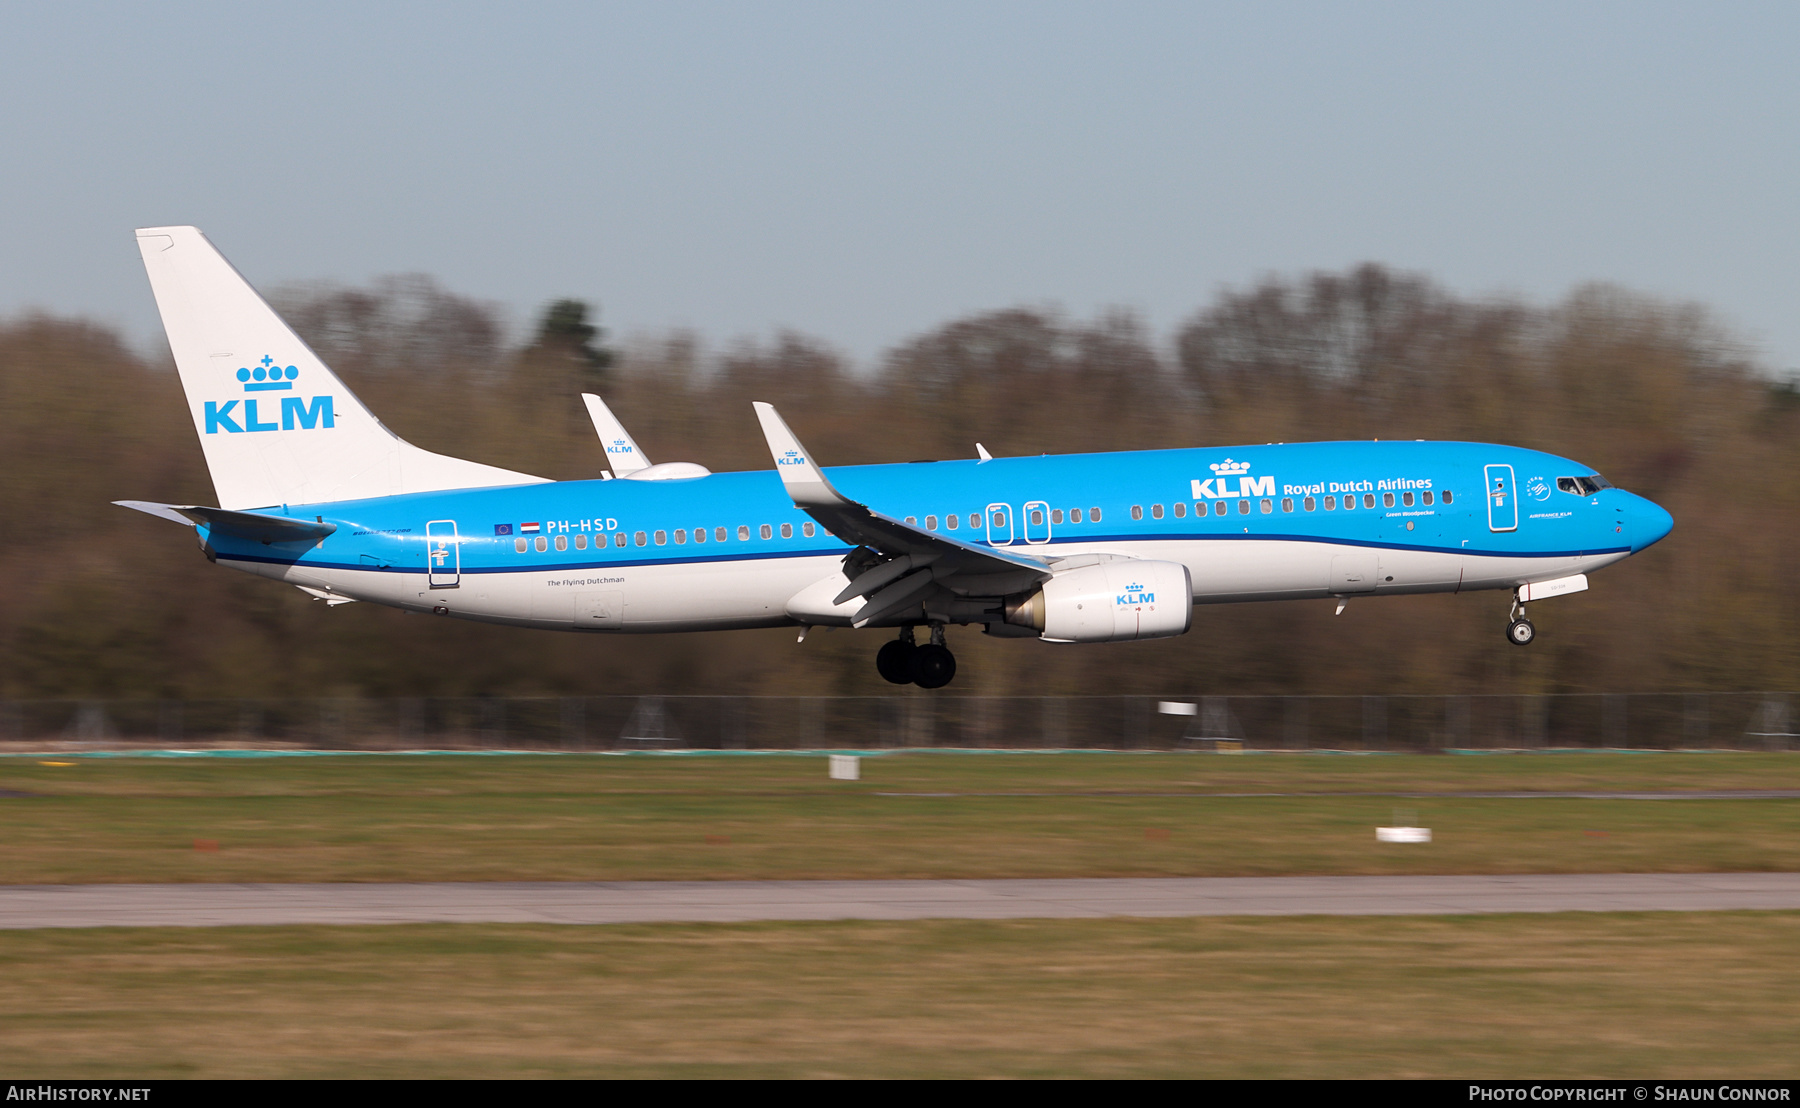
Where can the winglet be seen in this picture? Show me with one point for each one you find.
(982, 453)
(622, 452)
(802, 479)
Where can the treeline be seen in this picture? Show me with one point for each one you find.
(99, 601)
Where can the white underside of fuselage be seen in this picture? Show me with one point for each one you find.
(734, 594)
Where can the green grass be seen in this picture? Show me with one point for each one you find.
(593, 818)
(1650, 995)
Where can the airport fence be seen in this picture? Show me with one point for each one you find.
(1649, 721)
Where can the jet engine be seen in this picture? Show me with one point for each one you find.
(1114, 601)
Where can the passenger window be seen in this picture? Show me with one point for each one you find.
(912, 521)
(1056, 515)
(1137, 511)
(1180, 510)
(1349, 503)
(680, 536)
(581, 542)
(1156, 511)
(999, 519)
(930, 523)
(540, 544)
(807, 529)
(1074, 515)
(562, 542)
(1309, 504)
(1406, 498)
(952, 520)
(719, 534)
(618, 538)
(521, 545)
(1387, 500)
(1219, 507)
(1331, 503)
(1447, 497)
(1037, 517)
(662, 538)
(1268, 506)
(1426, 498)
(787, 530)
(743, 533)
(641, 539)
(975, 519)
(1093, 515)
(699, 534)
(766, 531)
(1287, 503)
(1243, 507)
(1369, 499)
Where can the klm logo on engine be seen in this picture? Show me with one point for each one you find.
(297, 413)
(1220, 487)
(1134, 595)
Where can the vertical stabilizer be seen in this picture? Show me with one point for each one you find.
(277, 426)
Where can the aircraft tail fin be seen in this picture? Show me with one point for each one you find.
(276, 424)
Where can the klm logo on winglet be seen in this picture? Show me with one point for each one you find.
(1246, 485)
(1134, 594)
(296, 414)
(791, 458)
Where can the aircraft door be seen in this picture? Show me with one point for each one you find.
(443, 554)
(1502, 501)
(999, 525)
(1036, 522)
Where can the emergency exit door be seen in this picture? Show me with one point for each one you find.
(1502, 499)
(443, 554)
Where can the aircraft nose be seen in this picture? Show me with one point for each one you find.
(1647, 522)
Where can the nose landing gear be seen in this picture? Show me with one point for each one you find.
(1519, 630)
(903, 662)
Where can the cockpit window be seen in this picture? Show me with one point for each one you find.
(1583, 486)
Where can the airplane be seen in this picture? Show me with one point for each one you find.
(314, 491)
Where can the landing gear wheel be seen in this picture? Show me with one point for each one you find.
(895, 661)
(1520, 632)
(933, 666)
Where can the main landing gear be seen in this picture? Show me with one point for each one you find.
(904, 662)
(1519, 630)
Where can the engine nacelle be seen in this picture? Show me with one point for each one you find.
(1115, 601)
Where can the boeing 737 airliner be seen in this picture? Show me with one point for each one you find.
(1087, 548)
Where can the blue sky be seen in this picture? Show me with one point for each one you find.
(862, 172)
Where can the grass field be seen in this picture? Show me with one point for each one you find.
(1573, 995)
(596, 818)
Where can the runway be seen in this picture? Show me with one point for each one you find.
(215, 905)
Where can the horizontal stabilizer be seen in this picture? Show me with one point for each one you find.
(246, 525)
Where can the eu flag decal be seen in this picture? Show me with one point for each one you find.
(502, 528)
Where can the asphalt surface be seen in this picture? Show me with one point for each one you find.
(212, 905)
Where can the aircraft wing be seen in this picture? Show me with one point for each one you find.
(622, 452)
(250, 525)
(912, 559)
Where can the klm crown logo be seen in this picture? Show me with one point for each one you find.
(268, 377)
(296, 414)
(1229, 468)
(1135, 594)
(791, 458)
(619, 446)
